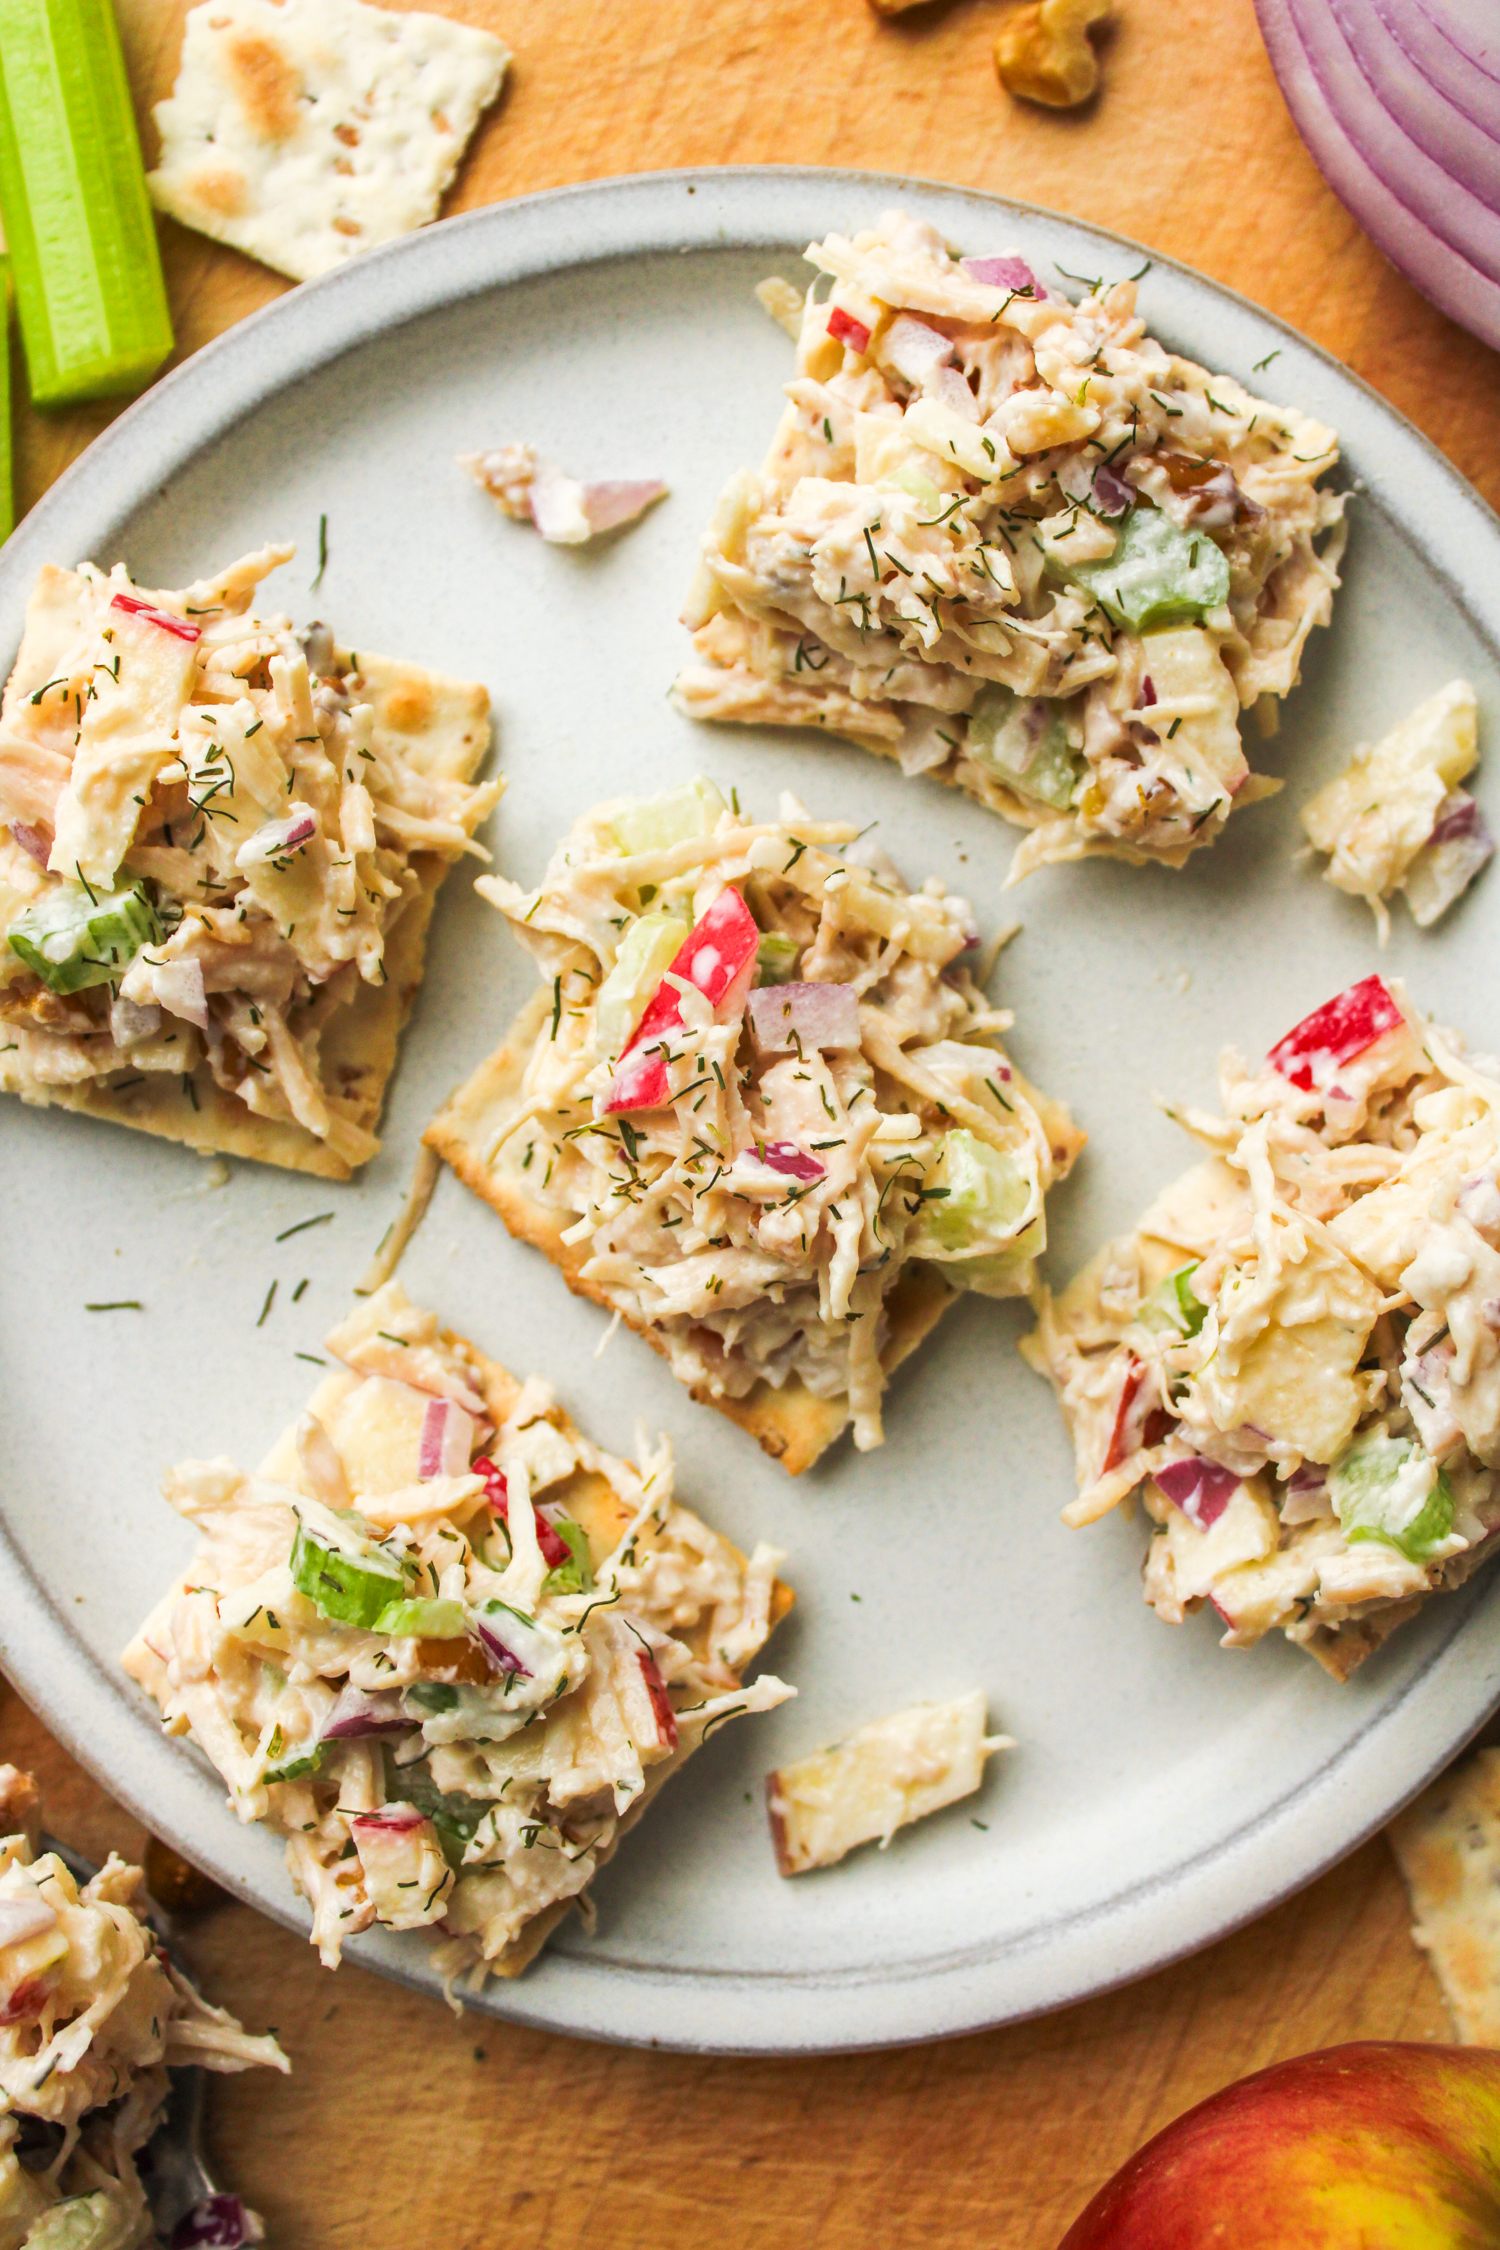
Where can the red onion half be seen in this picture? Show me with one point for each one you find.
(1399, 102)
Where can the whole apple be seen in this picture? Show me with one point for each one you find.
(1376, 2146)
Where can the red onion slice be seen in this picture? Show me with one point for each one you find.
(497, 1648)
(33, 841)
(786, 1017)
(389, 1820)
(357, 1715)
(787, 1157)
(278, 837)
(446, 1441)
(914, 349)
(1201, 1489)
(607, 506)
(1004, 273)
(23, 1918)
(219, 2222)
(1374, 94)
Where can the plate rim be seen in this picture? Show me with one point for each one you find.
(97, 1716)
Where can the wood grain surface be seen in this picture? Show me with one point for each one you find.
(404, 2127)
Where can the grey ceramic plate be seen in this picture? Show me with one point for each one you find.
(1162, 1791)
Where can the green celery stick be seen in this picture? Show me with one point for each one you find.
(7, 472)
(78, 221)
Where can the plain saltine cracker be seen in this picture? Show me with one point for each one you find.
(304, 133)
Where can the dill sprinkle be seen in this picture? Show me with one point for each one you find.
(322, 1220)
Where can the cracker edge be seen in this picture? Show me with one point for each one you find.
(790, 1423)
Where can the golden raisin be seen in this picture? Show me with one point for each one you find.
(175, 1883)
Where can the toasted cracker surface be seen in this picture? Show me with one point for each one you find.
(306, 132)
(442, 726)
(791, 1423)
(1447, 1846)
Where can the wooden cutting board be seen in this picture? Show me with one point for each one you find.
(406, 2127)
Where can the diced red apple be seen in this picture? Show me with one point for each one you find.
(845, 329)
(1317, 1049)
(554, 1548)
(718, 956)
(165, 622)
(407, 1879)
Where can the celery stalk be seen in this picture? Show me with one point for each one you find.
(7, 465)
(78, 221)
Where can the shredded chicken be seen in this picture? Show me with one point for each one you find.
(230, 785)
(550, 1634)
(749, 1170)
(92, 2014)
(1013, 541)
(1297, 1352)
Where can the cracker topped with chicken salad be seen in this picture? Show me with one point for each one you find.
(759, 1107)
(220, 844)
(1295, 1356)
(446, 1646)
(1012, 541)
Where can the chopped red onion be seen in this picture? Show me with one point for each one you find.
(845, 329)
(1479, 1202)
(129, 1022)
(1147, 696)
(1112, 493)
(219, 2222)
(786, 1156)
(180, 627)
(784, 1017)
(388, 1820)
(1459, 846)
(914, 349)
(277, 837)
(1004, 273)
(446, 1441)
(1313, 1051)
(502, 1656)
(948, 387)
(22, 1918)
(357, 1715)
(32, 841)
(1202, 1489)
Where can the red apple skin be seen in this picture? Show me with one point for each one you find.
(1376, 2146)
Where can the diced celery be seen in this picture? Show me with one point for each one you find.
(78, 220)
(72, 937)
(576, 1575)
(346, 1589)
(776, 958)
(1025, 746)
(654, 824)
(296, 1769)
(647, 951)
(1157, 574)
(82, 2222)
(7, 463)
(910, 479)
(1172, 1303)
(1002, 1273)
(972, 1199)
(1389, 1489)
(423, 1619)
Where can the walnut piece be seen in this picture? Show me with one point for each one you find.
(1043, 53)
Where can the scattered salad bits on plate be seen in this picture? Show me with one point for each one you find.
(220, 845)
(1013, 542)
(1296, 1354)
(565, 512)
(305, 131)
(878, 1779)
(446, 1646)
(1396, 820)
(758, 1107)
(92, 2014)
